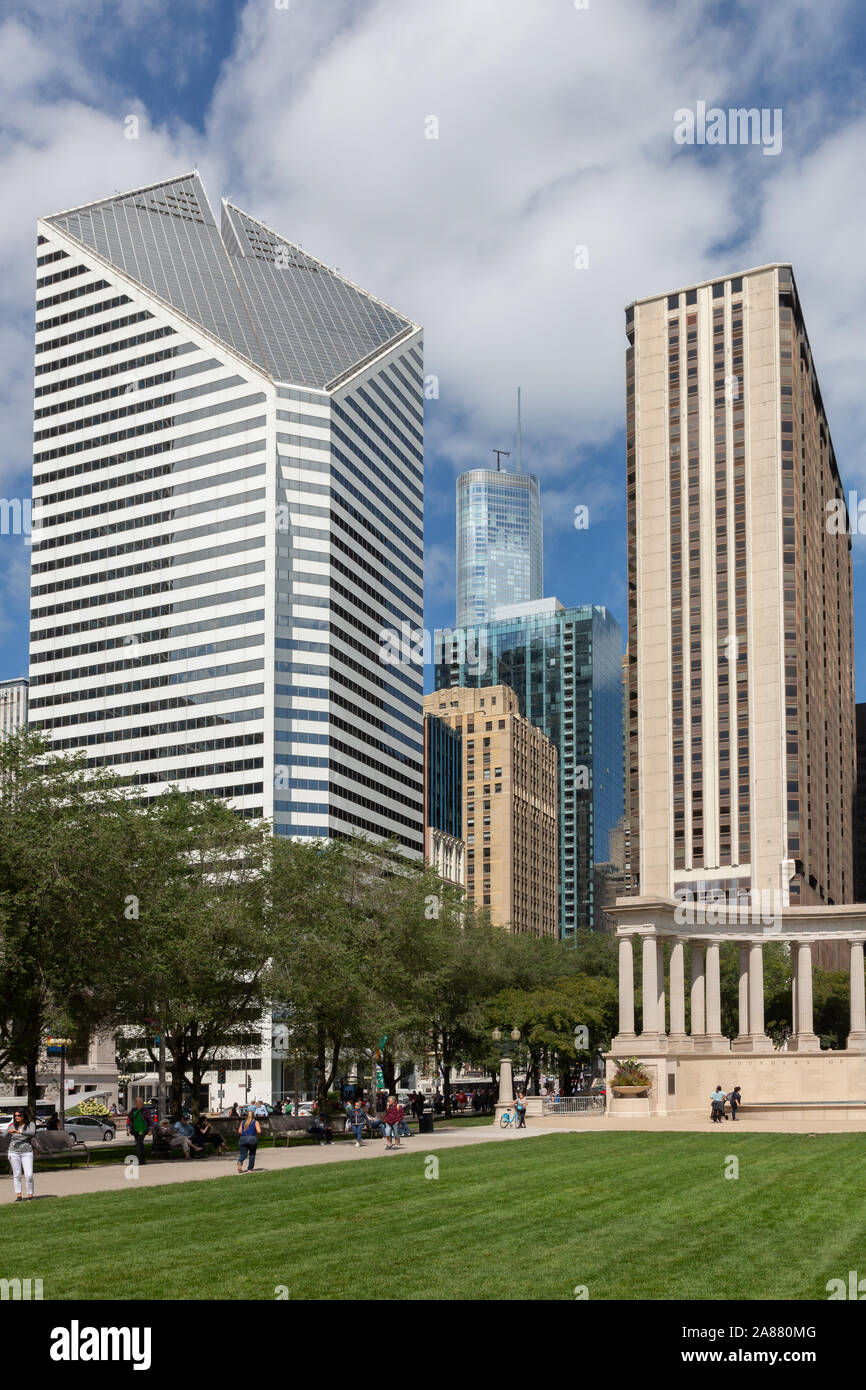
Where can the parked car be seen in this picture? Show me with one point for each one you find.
(88, 1128)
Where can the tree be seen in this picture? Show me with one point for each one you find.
(62, 847)
(547, 1017)
(196, 937)
(325, 900)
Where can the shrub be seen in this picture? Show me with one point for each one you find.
(630, 1073)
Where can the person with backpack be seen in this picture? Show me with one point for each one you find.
(249, 1130)
(717, 1102)
(138, 1127)
(735, 1100)
(20, 1154)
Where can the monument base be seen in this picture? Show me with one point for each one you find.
(684, 1081)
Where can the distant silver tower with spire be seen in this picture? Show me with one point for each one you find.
(499, 538)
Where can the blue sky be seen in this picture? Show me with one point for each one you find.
(555, 130)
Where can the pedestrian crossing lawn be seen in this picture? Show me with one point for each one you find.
(623, 1215)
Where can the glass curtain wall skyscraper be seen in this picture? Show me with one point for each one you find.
(565, 667)
(228, 482)
(499, 543)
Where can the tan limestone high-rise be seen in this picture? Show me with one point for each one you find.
(741, 688)
(510, 806)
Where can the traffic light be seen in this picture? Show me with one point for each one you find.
(221, 1076)
(249, 1081)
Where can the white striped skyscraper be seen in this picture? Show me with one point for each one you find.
(228, 467)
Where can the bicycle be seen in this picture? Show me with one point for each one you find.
(509, 1121)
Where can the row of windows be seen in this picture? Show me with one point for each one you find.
(255, 446)
(174, 726)
(43, 281)
(107, 644)
(158, 658)
(137, 407)
(126, 388)
(145, 590)
(222, 793)
(146, 567)
(74, 315)
(63, 296)
(144, 614)
(396, 473)
(185, 774)
(71, 697)
(93, 332)
(150, 707)
(148, 451)
(392, 405)
(168, 422)
(177, 750)
(103, 350)
(210, 528)
(140, 499)
(402, 444)
(358, 473)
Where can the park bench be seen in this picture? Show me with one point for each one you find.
(282, 1126)
(51, 1143)
(170, 1145)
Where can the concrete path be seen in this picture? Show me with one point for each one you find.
(111, 1178)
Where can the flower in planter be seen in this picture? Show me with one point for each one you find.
(631, 1073)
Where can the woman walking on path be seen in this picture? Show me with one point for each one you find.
(735, 1100)
(717, 1100)
(249, 1130)
(21, 1131)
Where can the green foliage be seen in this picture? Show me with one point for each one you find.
(629, 1072)
(89, 1107)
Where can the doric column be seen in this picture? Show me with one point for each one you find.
(806, 1041)
(741, 1042)
(857, 1036)
(660, 973)
(698, 994)
(626, 1034)
(677, 1036)
(757, 1037)
(718, 1043)
(650, 992)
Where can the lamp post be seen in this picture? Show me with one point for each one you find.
(506, 1082)
(53, 1046)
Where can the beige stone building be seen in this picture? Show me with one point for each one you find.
(740, 683)
(510, 800)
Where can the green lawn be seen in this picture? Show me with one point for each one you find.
(634, 1216)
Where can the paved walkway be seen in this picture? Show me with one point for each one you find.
(111, 1178)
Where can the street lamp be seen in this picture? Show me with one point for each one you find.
(52, 1047)
(506, 1083)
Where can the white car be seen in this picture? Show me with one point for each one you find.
(88, 1128)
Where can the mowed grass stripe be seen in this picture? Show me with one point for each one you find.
(629, 1215)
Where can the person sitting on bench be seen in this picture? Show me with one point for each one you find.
(204, 1134)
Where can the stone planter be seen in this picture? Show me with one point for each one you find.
(625, 1092)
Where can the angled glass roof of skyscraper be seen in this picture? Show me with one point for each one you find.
(313, 324)
(288, 314)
